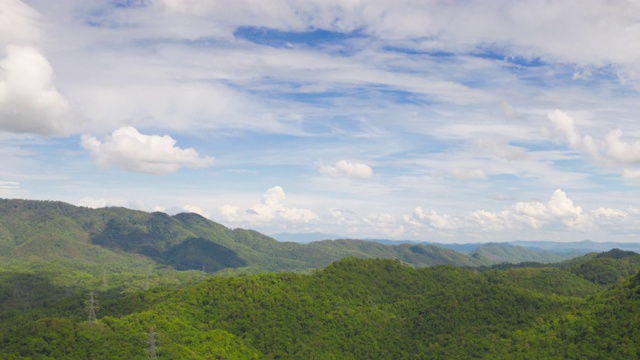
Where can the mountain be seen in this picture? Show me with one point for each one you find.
(497, 253)
(57, 231)
(584, 246)
(562, 249)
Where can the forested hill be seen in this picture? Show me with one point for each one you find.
(352, 309)
(55, 230)
(59, 231)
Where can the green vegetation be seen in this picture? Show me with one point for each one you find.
(501, 253)
(352, 309)
(56, 231)
(151, 294)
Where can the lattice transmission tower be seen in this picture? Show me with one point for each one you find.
(152, 343)
(92, 306)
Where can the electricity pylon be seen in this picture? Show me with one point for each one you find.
(152, 343)
(92, 306)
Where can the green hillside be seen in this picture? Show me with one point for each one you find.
(505, 253)
(57, 231)
(604, 327)
(352, 309)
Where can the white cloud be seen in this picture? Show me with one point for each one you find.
(559, 210)
(561, 206)
(433, 219)
(19, 23)
(133, 98)
(130, 150)
(92, 203)
(9, 185)
(271, 208)
(610, 150)
(347, 169)
(357, 224)
(230, 212)
(29, 102)
(631, 175)
(600, 30)
(625, 221)
(609, 213)
(196, 210)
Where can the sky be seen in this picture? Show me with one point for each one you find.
(434, 120)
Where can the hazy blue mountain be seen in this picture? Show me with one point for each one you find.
(584, 246)
(395, 242)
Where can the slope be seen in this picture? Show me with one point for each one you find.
(54, 230)
(505, 253)
(352, 309)
(604, 327)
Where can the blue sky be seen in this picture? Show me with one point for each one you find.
(448, 121)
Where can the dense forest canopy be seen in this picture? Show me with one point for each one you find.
(352, 309)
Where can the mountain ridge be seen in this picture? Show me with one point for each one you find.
(31, 228)
(52, 229)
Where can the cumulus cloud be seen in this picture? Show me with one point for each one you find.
(344, 168)
(270, 208)
(610, 150)
(559, 210)
(433, 219)
(130, 150)
(29, 101)
(617, 220)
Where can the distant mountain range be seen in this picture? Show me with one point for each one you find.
(573, 248)
(56, 230)
(579, 246)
